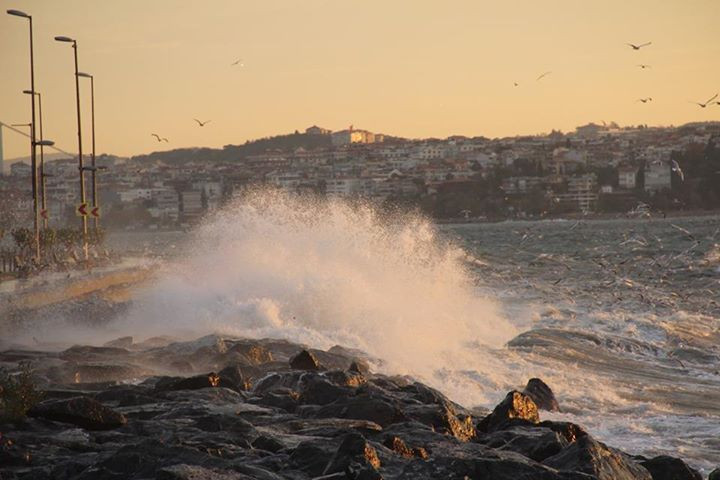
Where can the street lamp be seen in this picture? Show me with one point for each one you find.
(43, 199)
(80, 157)
(94, 169)
(33, 161)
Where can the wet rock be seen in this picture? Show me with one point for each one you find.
(122, 342)
(542, 395)
(253, 353)
(81, 411)
(305, 360)
(569, 431)
(103, 372)
(84, 353)
(318, 390)
(714, 475)
(536, 443)
(587, 455)
(353, 449)
(664, 467)
(359, 366)
(234, 374)
(346, 378)
(311, 456)
(515, 406)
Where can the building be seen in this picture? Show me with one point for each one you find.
(657, 176)
(315, 130)
(627, 177)
(581, 193)
(349, 136)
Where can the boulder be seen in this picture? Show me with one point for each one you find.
(353, 449)
(208, 380)
(542, 395)
(194, 472)
(665, 467)
(82, 411)
(362, 407)
(587, 455)
(516, 408)
(305, 360)
(397, 445)
(268, 443)
(714, 475)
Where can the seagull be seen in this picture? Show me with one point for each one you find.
(703, 105)
(645, 100)
(676, 168)
(237, 62)
(638, 47)
(165, 140)
(202, 124)
(643, 66)
(159, 139)
(543, 75)
(516, 84)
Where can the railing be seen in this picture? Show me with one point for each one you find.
(9, 260)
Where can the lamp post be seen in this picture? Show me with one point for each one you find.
(94, 169)
(41, 173)
(33, 161)
(80, 157)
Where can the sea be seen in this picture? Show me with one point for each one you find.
(620, 317)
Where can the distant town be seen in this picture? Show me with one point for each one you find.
(593, 170)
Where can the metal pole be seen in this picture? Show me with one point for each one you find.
(94, 169)
(80, 156)
(42, 164)
(33, 158)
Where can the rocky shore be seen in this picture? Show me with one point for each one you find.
(228, 408)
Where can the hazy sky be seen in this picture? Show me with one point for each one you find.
(412, 68)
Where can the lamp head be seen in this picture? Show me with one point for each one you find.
(45, 143)
(18, 13)
(62, 38)
(85, 75)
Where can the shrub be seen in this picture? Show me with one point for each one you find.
(18, 393)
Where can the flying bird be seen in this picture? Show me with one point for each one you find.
(543, 75)
(516, 84)
(164, 139)
(159, 139)
(676, 168)
(708, 102)
(237, 62)
(645, 100)
(638, 47)
(202, 124)
(643, 66)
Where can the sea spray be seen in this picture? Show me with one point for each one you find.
(326, 272)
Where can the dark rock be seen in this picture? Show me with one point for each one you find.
(81, 411)
(542, 395)
(356, 471)
(346, 378)
(209, 380)
(353, 449)
(122, 342)
(80, 353)
(537, 443)
(569, 431)
(515, 406)
(267, 443)
(363, 407)
(311, 456)
(318, 390)
(587, 455)
(442, 418)
(102, 372)
(714, 475)
(234, 374)
(664, 467)
(254, 354)
(194, 472)
(305, 360)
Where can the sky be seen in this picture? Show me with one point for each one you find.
(412, 68)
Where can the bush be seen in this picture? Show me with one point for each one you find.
(18, 393)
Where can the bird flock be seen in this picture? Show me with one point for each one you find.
(237, 63)
(642, 66)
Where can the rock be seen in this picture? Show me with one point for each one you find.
(305, 360)
(208, 380)
(664, 467)
(536, 443)
(234, 374)
(542, 395)
(81, 411)
(515, 406)
(311, 456)
(353, 449)
(84, 353)
(359, 366)
(318, 390)
(714, 475)
(397, 445)
(267, 443)
(122, 342)
(194, 472)
(363, 407)
(253, 353)
(587, 455)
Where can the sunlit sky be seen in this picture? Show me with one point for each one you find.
(414, 68)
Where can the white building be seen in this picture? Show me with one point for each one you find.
(657, 176)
